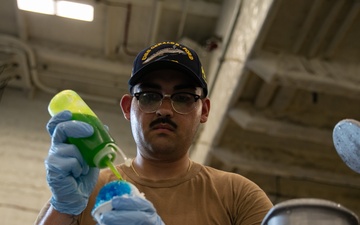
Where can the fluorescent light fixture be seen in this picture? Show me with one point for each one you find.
(74, 10)
(61, 8)
(39, 6)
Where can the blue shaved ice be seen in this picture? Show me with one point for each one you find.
(108, 192)
(114, 188)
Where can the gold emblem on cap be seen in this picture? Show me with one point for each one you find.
(177, 48)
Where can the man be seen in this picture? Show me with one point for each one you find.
(167, 103)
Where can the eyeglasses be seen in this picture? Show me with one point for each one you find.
(181, 102)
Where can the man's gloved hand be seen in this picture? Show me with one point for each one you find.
(70, 179)
(131, 210)
(346, 138)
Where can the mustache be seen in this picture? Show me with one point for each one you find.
(163, 121)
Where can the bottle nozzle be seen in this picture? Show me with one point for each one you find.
(107, 156)
(113, 169)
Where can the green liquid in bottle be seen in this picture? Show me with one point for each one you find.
(98, 150)
(90, 146)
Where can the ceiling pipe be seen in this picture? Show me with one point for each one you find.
(158, 6)
(90, 63)
(342, 32)
(306, 26)
(154, 26)
(25, 78)
(126, 31)
(183, 20)
(86, 63)
(4, 39)
(128, 7)
(155, 21)
(14, 67)
(325, 27)
(108, 22)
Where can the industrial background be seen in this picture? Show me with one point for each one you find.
(281, 74)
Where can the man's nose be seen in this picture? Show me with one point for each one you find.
(165, 108)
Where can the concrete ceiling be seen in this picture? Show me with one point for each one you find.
(281, 74)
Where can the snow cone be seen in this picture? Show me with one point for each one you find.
(110, 190)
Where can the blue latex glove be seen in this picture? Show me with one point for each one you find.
(132, 210)
(70, 179)
(346, 138)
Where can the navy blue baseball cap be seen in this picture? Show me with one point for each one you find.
(168, 55)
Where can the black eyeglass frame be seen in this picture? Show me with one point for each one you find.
(138, 94)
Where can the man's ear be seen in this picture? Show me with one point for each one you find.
(205, 110)
(125, 104)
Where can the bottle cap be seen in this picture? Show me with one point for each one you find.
(109, 152)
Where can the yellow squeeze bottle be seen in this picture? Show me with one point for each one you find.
(98, 150)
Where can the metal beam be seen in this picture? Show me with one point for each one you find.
(342, 31)
(338, 78)
(231, 72)
(233, 160)
(256, 122)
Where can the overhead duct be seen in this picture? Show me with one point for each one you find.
(22, 54)
(14, 64)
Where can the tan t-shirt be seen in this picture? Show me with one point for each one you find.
(203, 196)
